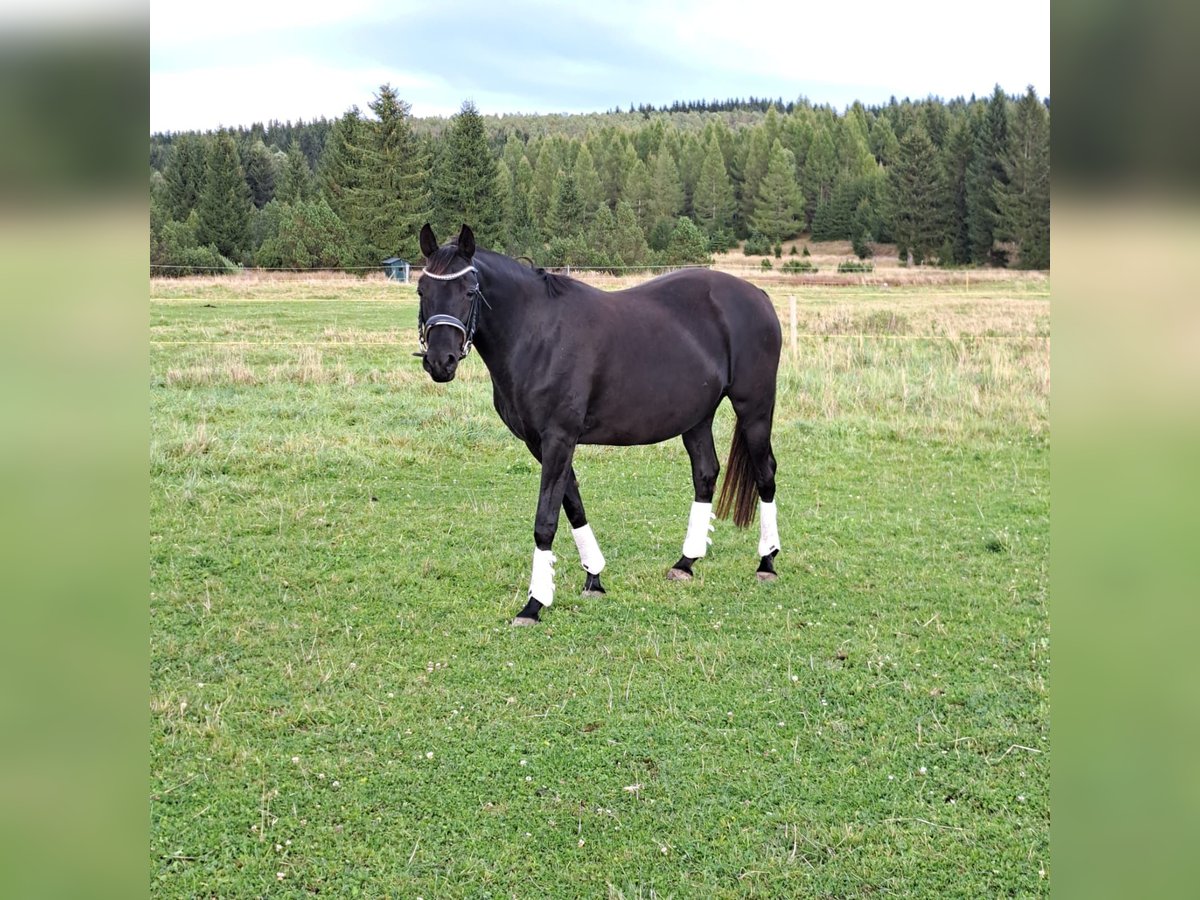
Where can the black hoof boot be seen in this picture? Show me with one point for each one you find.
(528, 615)
(766, 567)
(592, 587)
(682, 570)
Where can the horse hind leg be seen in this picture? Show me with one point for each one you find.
(755, 429)
(705, 467)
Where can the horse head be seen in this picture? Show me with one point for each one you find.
(449, 302)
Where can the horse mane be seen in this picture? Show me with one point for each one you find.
(554, 284)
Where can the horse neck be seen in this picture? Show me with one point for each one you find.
(510, 306)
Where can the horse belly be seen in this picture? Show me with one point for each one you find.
(646, 407)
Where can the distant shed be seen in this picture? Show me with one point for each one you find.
(396, 268)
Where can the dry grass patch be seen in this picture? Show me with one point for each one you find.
(227, 366)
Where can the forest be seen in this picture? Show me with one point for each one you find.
(964, 182)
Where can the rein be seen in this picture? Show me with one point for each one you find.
(468, 328)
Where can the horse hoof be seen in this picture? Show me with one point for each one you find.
(678, 575)
(766, 576)
(592, 594)
(522, 621)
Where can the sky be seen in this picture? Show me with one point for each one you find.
(227, 63)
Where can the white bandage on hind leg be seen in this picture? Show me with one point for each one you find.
(695, 545)
(768, 528)
(590, 556)
(541, 582)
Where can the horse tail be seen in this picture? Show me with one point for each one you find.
(739, 489)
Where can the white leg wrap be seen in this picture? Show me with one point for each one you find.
(590, 556)
(541, 582)
(695, 545)
(768, 528)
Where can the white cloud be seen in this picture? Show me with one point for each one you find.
(174, 23)
(281, 89)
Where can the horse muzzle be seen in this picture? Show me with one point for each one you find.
(441, 368)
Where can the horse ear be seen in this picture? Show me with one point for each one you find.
(429, 243)
(466, 242)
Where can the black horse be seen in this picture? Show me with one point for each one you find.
(572, 364)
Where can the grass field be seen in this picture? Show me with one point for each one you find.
(339, 707)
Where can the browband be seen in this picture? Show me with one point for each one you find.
(459, 274)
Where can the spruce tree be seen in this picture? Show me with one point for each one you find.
(918, 191)
(986, 177)
(260, 174)
(1024, 202)
(223, 210)
(712, 199)
(393, 201)
(956, 162)
(340, 171)
(185, 175)
(776, 214)
(465, 180)
(295, 182)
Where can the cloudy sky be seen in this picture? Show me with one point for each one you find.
(233, 63)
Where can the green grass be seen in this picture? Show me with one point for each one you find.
(337, 546)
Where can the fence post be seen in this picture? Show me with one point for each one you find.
(792, 305)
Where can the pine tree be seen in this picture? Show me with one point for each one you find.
(587, 183)
(687, 244)
(631, 246)
(295, 182)
(185, 175)
(602, 238)
(820, 172)
(1024, 203)
(393, 201)
(639, 194)
(758, 154)
(615, 172)
(985, 177)
(260, 174)
(918, 191)
(776, 214)
(223, 210)
(691, 159)
(855, 158)
(309, 235)
(666, 197)
(712, 200)
(465, 186)
(567, 217)
(541, 189)
(884, 144)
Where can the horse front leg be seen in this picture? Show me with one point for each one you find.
(556, 454)
(590, 555)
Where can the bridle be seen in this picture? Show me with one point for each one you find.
(468, 328)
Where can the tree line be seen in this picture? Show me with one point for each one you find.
(964, 182)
